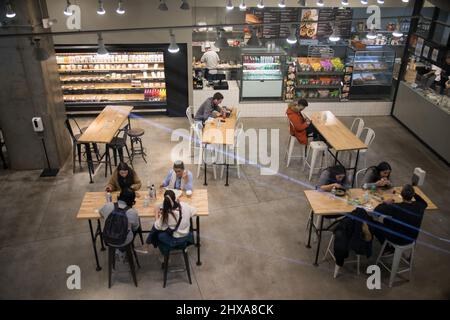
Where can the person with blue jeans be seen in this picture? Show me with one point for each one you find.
(178, 178)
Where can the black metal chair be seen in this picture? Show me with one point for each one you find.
(76, 146)
(165, 265)
(117, 144)
(131, 255)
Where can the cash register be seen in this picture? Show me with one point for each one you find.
(219, 82)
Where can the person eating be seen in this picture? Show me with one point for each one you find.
(333, 177)
(179, 178)
(122, 178)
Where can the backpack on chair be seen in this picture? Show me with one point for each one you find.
(115, 230)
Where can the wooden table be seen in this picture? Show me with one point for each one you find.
(93, 201)
(325, 204)
(102, 130)
(337, 135)
(220, 133)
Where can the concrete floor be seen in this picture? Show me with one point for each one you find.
(253, 243)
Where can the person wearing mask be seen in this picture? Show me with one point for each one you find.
(211, 60)
(179, 178)
(125, 201)
(333, 177)
(172, 225)
(378, 175)
(301, 128)
(122, 178)
(210, 108)
(402, 220)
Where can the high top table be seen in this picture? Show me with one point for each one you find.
(325, 204)
(337, 136)
(93, 201)
(222, 134)
(103, 129)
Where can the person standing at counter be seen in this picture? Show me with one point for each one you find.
(210, 108)
(211, 60)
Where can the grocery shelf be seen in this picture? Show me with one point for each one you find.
(124, 62)
(320, 73)
(113, 80)
(108, 70)
(318, 86)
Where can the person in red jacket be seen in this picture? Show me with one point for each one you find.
(301, 126)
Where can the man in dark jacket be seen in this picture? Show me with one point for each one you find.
(402, 220)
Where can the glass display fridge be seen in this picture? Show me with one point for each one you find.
(262, 74)
(372, 72)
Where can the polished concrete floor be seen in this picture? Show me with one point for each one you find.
(253, 242)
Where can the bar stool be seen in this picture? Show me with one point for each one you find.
(336, 267)
(315, 148)
(117, 144)
(131, 254)
(182, 249)
(397, 259)
(290, 146)
(135, 135)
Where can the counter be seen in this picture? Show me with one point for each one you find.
(428, 121)
(231, 96)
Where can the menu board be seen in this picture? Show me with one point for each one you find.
(287, 15)
(324, 28)
(271, 15)
(343, 22)
(308, 28)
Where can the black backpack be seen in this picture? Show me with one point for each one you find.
(115, 230)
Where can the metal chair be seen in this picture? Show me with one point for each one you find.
(357, 126)
(290, 146)
(203, 151)
(131, 255)
(357, 177)
(189, 115)
(369, 137)
(336, 267)
(76, 146)
(135, 135)
(117, 144)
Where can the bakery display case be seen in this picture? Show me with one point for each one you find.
(319, 79)
(262, 74)
(372, 72)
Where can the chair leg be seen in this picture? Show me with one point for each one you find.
(166, 268)
(411, 260)
(200, 161)
(328, 248)
(358, 262)
(312, 164)
(120, 151)
(238, 166)
(111, 252)
(395, 265)
(186, 262)
(131, 263)
(128, 154)
(381, 252)
(115, 156)
(336, 271)
(291, 149)
(135, 256)
(308, 149)
(142, 150)
(97, 153)
(74, 155)
(79, 154)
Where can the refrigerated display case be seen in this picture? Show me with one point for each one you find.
(372, 72)
(262, 74)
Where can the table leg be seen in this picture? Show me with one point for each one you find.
(99, 233)
(89, 161)
(199, 263)
(204, 164)
(226, 181)
(93, 238)
(336, 158)
(318, 242)
(355, 168)
(107, 159)
(311, 221)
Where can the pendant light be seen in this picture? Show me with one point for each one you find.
(371, 35)
(173, 47)
(162, 5)
(260, 4)
(10, 13)
(320, 3)
(405, 1)
(397, 33)
(120, 9)
(229, 5)
(184, 5)
(364, 2)
(67, 12)
(344, 2)
(292, 39)
(100, 10)
(242, 6)
(282, 3)
(101, 50)
(39, 53)
(380, 1)
(334, 36)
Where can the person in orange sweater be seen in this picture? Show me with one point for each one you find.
(302, 127)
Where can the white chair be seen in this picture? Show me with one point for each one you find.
(203, 151)
(397, 259)
(234, 150)
(290, 146)
(369, 135)
(316, 148)
(336, 267)
(189, 115)
(357, 126)
(357, 177)
(238, 116)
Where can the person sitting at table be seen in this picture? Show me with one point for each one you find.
(378, 175)
(402, 220)
(302, 127)
(172, 225)
(125, 201)
(178, 178)
(333, 177)
(210, 108)
(123, 177)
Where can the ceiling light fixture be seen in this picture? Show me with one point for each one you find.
(334, 37)
(184, 5)
(229, 5)
(282, 3)
(173, 47)
(292, 39)
(320, 3)
(371, 35)
(380, 1)
(344, 2)
(67, 12)
(120, 9)
(100, 10)
(162, 5)
(364, 2)
(260, 4)
(242, 6)
(9, 11)
(101, 50)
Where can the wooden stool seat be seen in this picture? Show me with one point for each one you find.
(136, 132)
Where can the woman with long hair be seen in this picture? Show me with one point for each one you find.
(379, 175)
(333, 177)
(122, 178)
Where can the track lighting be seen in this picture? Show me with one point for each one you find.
(405, 1)
(67, 12)
(100, 10)
(242, 6)
(9, 11)
(120, 9)
(364, 2)
(282, 3)
(260, 4)
(173, 47)
(101, 50)
(184, 5)
(229, 5)
(320, 3)
(292, 39)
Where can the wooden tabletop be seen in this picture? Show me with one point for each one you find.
(335, 132)
(323, 203)
(222, 134)
(105, 126)
(93, 201)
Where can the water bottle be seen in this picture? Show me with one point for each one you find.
(333, 191)
(152, 192)
(365, 186)
(108, 197)
(374, 188)
(366, 197)
(146, 201)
